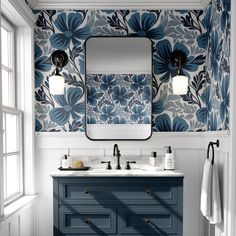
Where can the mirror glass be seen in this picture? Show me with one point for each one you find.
(118, 88)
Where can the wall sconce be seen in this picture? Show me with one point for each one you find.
(180, 81)
(56, 80)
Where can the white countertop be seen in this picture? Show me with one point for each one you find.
(93, 172)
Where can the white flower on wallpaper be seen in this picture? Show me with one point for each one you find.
(168, 30)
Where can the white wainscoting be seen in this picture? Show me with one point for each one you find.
(21, 223)
(190, 153)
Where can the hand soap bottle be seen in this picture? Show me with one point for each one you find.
(169, 159)
(65, 162)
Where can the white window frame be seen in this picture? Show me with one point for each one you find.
(11, 109)
(21, 16)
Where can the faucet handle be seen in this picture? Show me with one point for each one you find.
(127, 167)
(108, 164)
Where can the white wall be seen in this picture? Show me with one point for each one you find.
(189, 149)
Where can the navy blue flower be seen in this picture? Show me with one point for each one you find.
(70, 31)
(93, 96)
(164, 124)
(107, 113)
(120, 95)
(146, 94)
(224, 106)
(216, 47)
(138, 82)
(225, 17)
(162, 63)
(138, 113)
(119, 120)
(69, 106)
(108, 81)
(42, 64)
(143, 25)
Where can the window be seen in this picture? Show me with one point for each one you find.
(12, 118)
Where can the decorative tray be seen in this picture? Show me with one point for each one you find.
(79, 169)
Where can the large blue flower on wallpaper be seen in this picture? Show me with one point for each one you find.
(121, 96)
(144, 25)
(164, 124)
(162, 63)
(69, 105)
(107, 82)
(42, 64)
(107, 113)
(216, 48)
(70, 30)
(138, 82)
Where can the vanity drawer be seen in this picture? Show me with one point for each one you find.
(150, 220)
(95, 220)
(74, 191)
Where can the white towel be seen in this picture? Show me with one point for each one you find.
(210, 194)
(216, 215)
(206, 189)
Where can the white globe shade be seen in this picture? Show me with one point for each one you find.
(56, 84)
(180, 84)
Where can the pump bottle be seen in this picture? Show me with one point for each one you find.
(169, 159)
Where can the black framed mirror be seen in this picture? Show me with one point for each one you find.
(118, 88)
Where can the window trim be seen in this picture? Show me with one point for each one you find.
(23, 19)
(11, 109)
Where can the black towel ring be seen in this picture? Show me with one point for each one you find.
(213, 152)
(211, 145)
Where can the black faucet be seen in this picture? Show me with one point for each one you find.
(116, 152)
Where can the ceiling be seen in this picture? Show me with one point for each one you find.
(118, 4)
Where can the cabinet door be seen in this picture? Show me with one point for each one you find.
(97, 220)
(150, 220)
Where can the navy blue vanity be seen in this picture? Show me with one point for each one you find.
(128, 205)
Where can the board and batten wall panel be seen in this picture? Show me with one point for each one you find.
(190, 153)
(21, 223)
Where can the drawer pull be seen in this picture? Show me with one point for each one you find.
(86, 191)
(147, 221)
(86, 221)
(148, 191)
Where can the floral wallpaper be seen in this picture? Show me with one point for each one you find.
(218, 64)
(119, 98)
(168, 30)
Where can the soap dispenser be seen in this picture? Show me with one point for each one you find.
(169, 159)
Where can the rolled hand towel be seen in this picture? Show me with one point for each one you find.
(206, 189)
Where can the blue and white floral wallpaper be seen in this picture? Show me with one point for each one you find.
(218, 64)
(119, 98)
(188, 30)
